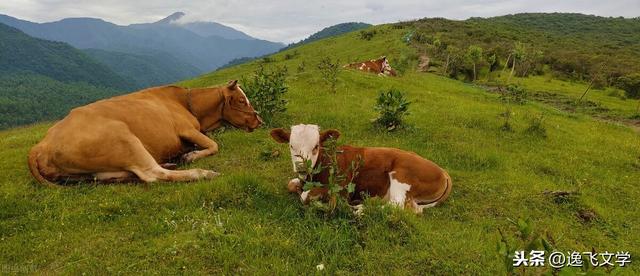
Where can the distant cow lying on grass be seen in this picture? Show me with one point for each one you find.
(127, 137)
(403, 178)
(379, 66)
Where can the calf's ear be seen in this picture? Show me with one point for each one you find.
(232, 85)
(331, 133)
(280, 135)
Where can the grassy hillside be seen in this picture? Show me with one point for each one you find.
(244, 222)
(572, 46)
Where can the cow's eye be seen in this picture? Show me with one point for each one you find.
(316, 147)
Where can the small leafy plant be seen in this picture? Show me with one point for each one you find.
(392, 107)
(329, 70)
(338, 181)
(526, 240)
(536, 126)
(301, 67)
(266, 89)
(506, 115)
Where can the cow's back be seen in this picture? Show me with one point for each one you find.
(379, 162)
(96, 127)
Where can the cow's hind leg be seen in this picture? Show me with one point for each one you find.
(148, 170)
(115, 177)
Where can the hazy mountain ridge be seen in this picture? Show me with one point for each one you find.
(203, 52)
(147, 70)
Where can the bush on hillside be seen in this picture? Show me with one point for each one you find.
(367, 35)
(329, 70)
(392, 107)
(266, 89)
(514, 94)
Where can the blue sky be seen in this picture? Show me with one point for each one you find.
(291, 20)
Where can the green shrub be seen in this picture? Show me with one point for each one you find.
(266, 90)
(367, 35)
(338, 182)
(406, 62)
(291, 55)
(329, 70)
(514, 94)
(392, 107)
(267, 60)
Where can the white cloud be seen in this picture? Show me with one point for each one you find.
(291, 20)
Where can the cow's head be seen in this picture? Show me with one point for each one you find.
(237, 109)
(305, 142)
(386, 67)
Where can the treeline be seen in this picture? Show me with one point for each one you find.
(29, 98)
(595, 49)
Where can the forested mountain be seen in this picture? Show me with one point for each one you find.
(43, 80)
(145, 70)
(21, 53)
(27, 98)
(332, 31)
(324, 33)
(572, 46)
(203, 45)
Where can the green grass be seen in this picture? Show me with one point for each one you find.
(245, 222)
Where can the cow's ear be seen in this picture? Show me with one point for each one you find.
(331, 133)
(232, 85)
(280, 135)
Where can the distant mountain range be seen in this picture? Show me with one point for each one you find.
(141, 52)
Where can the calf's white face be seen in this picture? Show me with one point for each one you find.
(304, 144)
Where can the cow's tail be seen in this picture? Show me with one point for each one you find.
(447, 190)
(444, 195)
(34, 168)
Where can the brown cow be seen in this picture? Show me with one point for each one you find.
(401, 177)
(126, 137)
(379, 66)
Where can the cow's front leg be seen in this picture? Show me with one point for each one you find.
(313, 194)
(295, 186)
(208, 146)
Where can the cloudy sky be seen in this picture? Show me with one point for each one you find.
(291, 20)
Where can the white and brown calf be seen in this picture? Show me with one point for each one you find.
(401, 177)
